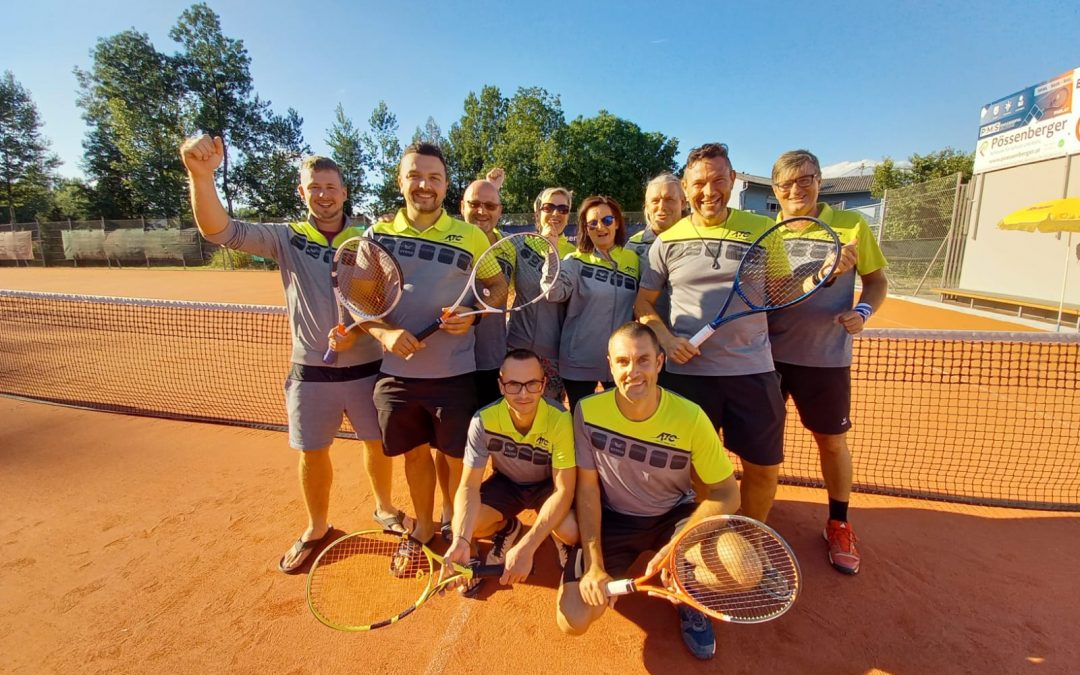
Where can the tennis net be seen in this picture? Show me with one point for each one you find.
(984, 418)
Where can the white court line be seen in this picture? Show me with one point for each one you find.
(445, 647)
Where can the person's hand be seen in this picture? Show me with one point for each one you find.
(650, 568)
(202, 155)
(397, 341)
(496, 177)
(341, 342)
(849, 255)
(455, 324)
(518, 565)
(593, 587)
(460, 552)
(679, 349)
(852, 321)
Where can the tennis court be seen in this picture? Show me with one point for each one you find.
(138, 545)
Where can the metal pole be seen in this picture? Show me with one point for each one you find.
(1064, 282)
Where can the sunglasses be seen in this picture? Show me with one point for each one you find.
(488, 206)
(532, 386)
(555, 208)
(606, 221)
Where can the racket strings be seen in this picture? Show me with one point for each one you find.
(368, 280)
(737, 570)
(368, 578)
(528, 262)
(780, 268)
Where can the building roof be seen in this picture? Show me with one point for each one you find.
(841, 185)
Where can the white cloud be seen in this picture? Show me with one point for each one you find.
(856, 167)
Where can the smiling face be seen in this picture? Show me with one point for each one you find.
(553, 214)
(526, 374)
(708, 184)
(422, 179)
(664, 203)
(324, 196)
(797, 190)
(481, 206)
(635, 364)
(600, 232)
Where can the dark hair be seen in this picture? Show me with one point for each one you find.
(313, 163)
(523, 355)
(425, 148)
(707, 151)
(635, 330)
(584, 243)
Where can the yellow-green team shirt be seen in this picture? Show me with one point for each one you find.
(645, 467)
(523, 458)
(807, 334)
(435, 263)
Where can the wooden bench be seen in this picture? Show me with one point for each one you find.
(1039, 308)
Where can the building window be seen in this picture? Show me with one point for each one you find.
(772, 206)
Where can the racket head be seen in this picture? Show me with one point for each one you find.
(778, 269)
(528, 262)
(367, 279)
(361, 582)
(735, 569)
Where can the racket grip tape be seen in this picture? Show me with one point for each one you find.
(702, 335)
(620, 587)
(488, 570)
(428, 331)
(330, 357)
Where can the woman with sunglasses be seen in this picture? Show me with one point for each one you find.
(538, 326)
(598, 282)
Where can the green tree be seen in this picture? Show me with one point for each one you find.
(383, 151)
(530, 147)
(432, 133)
(614, 157)
(266, 175)
(130, 95)
(71, 198)
(472, 139)
(25, 162)
(216, 71)
(347, 149)
(939, 164)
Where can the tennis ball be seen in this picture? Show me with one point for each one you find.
(739, 561)
(704, 577)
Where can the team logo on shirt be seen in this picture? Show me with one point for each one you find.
(543, 442)
(521, 451)
(453, 237)
(666, 437)
(654, 456)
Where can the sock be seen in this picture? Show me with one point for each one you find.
(837, 510)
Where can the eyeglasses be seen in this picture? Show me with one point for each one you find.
(802, 181)
(488, 206)
(532, 386)
(555, 208)
(606, 221)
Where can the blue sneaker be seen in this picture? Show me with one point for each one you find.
(697, 633)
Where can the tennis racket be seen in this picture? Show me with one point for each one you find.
(374, 578)
(732, 568)
(779, 269)
(534, 265)
(367, 282)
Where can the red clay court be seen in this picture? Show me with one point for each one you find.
(133, 544)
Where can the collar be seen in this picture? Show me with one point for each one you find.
(401, 222)
(539, 422)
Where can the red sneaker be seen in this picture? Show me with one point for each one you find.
(842, 552)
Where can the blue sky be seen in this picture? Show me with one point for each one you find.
(848, 80)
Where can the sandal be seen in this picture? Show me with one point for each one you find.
(409, 559)
(394, 523)
(472, 586)
(302, 550)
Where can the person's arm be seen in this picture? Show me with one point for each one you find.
(875, 289)
(466, 508)
(587, 507)
(561, 287)
(519, 559)
(202, 155)
(678, 349)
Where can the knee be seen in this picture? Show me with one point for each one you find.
(567, 531)
(831, 444)
(567, 627)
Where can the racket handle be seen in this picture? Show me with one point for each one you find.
(429, 331)
(330, 357)
(488, 570)
(620, 587)
(702, 335)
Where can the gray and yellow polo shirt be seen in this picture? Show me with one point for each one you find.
(523, 458)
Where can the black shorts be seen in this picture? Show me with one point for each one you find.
(510, 498)
(415, 411)
(623, 538)
(579, 389)
(822, 396)
(487, 386)
(748, 408)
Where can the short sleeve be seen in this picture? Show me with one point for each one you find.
(870, 258)
(654, 271)
(707, 453)
(476, 453)
(582, 446)
(562, 451)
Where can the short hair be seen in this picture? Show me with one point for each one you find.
(662, 179)
(425, 148)
(584, 243)
(793, 159)
(635, 330)
(313, 163)
(708, 151)
(522, 354)
(546, 193)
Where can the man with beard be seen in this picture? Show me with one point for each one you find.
(426, 391)
(316, 395)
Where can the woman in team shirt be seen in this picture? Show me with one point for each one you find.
(598, 282)
(538, 326)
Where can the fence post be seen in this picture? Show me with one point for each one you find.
(884, 212)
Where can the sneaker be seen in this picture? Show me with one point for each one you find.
(562, 550)
(697, 633)
(842, 552)
(774, 584)
(502, 541)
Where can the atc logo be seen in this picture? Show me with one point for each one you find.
(666, 437)
(543, 442)
(453, 237)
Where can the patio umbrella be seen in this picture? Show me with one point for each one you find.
(1055, 215)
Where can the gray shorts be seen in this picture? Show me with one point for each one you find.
(316, 407)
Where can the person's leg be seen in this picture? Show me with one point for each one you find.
(835, 466)
(442, 476)
(758, 489)
(753, 427)
(379, 469)
(450, 403)
(420, 475)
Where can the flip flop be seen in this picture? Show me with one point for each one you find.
(472, 586)
(410, 549)
(302, 549)
(393, 522)
(446, 531)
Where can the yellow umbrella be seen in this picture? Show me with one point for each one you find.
(1055, 215)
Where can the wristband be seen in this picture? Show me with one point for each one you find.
(864, 310)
